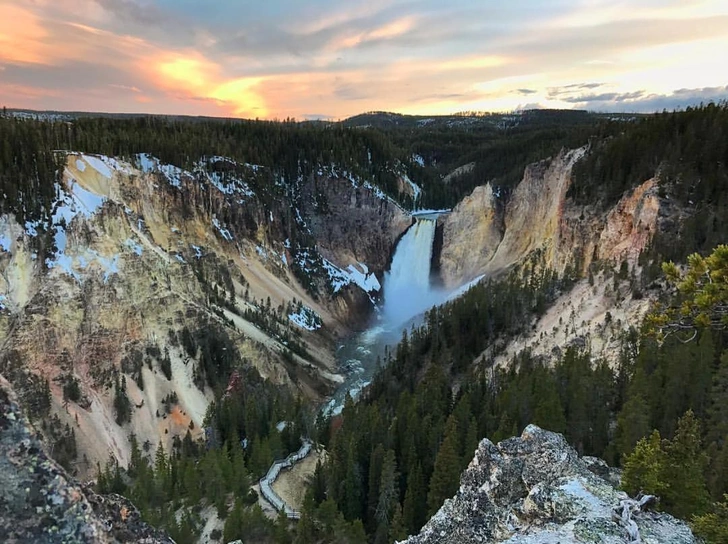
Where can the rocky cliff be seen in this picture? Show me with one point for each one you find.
(136, 252)
(40, 503)
(354, 225)
(536, 489)
(471, 236)
(486, 233)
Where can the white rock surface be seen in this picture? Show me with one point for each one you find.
(536, 489)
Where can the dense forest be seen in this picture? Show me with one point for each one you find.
(398, 453)
(31, 150)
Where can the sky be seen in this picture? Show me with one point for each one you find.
(335, 58)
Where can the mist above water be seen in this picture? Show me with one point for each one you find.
(408, 293)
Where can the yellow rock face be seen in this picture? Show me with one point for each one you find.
(484, 236)
(130, 277)
(471, 234)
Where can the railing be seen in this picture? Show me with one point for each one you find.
(266, 483)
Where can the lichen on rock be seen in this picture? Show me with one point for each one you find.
(537, 489)
(41, 503)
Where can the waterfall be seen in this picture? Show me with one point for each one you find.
(407, 290)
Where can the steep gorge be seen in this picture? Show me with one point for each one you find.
(145, 251)
(151, 249)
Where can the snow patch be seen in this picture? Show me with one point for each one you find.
(31, 227)
(416, 190)
(150, 164)
(97, 164)
(66, 208)
(227, 182)
(134, 246)
(80, 165)
(89, 202)
(5, 242)
(306, 318)
(359, 276)
(225, 233)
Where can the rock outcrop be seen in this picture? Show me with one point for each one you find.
(353, 224)
(536, 489)
(471, 235)
(534, 209)
(40, 503)
(487, 234)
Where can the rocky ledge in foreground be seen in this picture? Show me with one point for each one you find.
(536, 489)
(40, 502)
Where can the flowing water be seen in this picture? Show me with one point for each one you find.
(407, 294)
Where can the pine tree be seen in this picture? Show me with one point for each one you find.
(234, 528)
(644, 468)
(161, 473)
(376, 462)
(446, 474)
(318, 485)
(353, 492)
(633, 424)
(415, 501)
(397, 531)
(388, 489)
(717, 419)
(686, 493)
(713, 527)
(548, 412)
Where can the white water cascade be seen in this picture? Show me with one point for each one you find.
(407, 291)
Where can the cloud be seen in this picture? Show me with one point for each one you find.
(641, 101)
(146, 14)
(602, 97)
(285, 57)
(352, 92)
(583, 86)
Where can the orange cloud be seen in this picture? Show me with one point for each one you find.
(21, 36)
(384, 32)
(199, 78)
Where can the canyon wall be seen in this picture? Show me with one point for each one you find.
(486, 234)
(144, 252)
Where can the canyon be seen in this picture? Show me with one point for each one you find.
(145, 251)
(138, 238)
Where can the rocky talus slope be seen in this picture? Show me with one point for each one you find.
(536, 489)
(40, 503)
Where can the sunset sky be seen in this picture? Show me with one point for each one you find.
(333, 59)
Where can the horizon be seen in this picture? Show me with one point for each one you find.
(90, 113)
(328, 61)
